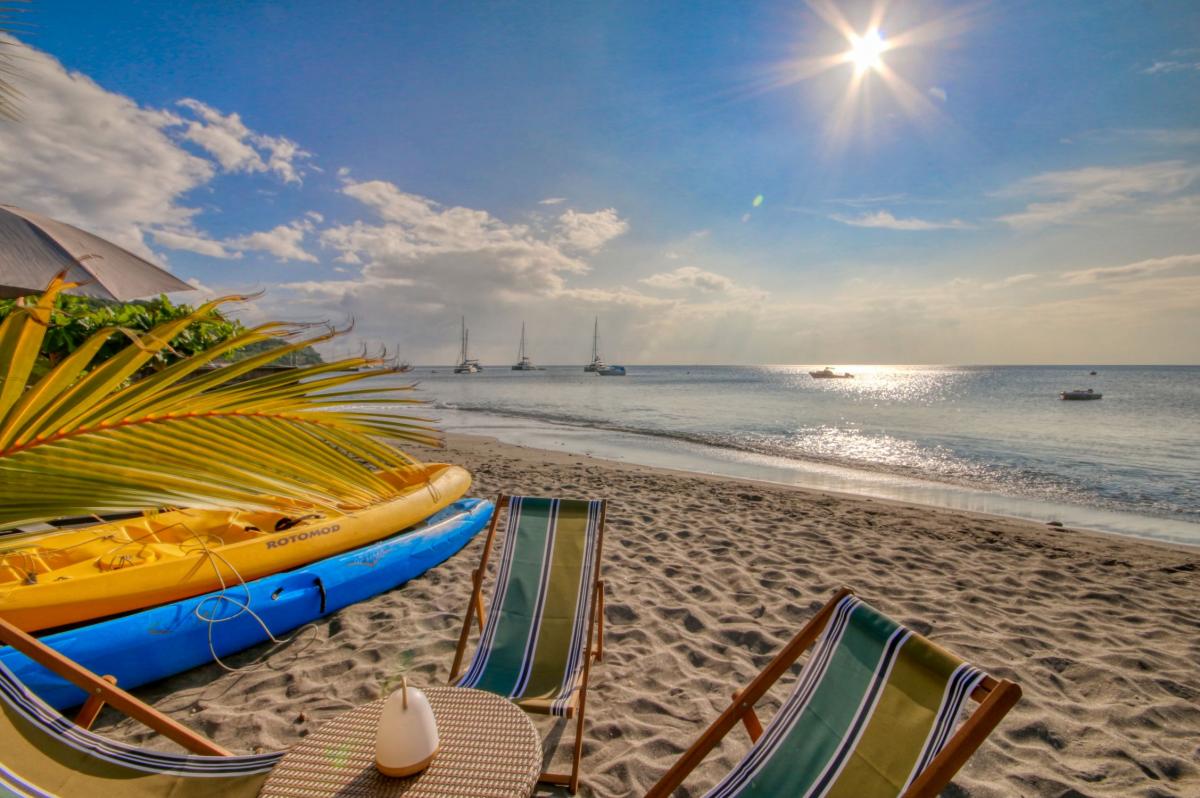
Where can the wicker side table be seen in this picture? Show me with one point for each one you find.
(489, 749)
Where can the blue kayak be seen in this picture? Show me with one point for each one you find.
(153, 644)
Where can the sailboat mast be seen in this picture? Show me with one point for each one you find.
(521, 356)
(596, 340)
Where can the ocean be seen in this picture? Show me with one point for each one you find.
(986, 438)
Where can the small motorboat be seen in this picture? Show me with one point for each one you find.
(828, 373)
(1079, 394)
(610, 371)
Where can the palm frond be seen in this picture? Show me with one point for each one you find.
(82, 441)
(10, 21)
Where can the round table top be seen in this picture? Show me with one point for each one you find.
(489, 749)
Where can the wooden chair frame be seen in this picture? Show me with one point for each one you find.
(995, 699)
(476, 609)
(103, 690)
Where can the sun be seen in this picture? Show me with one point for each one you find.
(866, 51)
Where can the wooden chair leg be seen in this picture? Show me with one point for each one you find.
(578, 753)
(750, 719)
(474, 607)
(479, 600)
(599, 621)
(571, 780)
(91, 708)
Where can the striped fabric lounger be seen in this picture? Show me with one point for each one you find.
(42, 754)
(873, 713)
(536, 643)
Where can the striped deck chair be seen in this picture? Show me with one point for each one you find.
(44, 755)
(873, 713)
(535, 646)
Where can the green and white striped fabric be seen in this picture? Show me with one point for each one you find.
(871, 709)
(532, 647)
(44, 755)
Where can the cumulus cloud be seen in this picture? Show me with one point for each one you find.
(97, 159)
(284, 241)
(1072, 196)
(1150, 267)
(449, 250)
(885, 220)
(690, 278)
(588, 232)
(94, 158)
(194, 242)
(238, 148)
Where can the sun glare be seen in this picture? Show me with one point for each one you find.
(866, 51)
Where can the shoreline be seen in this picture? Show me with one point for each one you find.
(683, 456)
(460, 439)
(709, 577)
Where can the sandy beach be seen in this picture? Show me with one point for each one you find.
(709, 577)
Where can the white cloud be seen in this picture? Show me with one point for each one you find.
(97, 159)
(1011, 280)
(1166, 67)
(453, 250)
(885, 220)
(194, 242)
(1076, 195)
(588, 232)
(284, 241)
(94, 158)
(690, 278)
(238, 148)
(620, 297)
(1150, 267)
(937, 92)
(552, 201)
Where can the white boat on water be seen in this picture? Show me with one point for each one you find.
(597, 363)
(598, 366)
(523, 361)
(466, 365)
(828, 373)
(1080, 394)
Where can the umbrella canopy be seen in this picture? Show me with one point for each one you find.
(34, 248)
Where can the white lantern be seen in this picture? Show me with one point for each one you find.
(408, 737)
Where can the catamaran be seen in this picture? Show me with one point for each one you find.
(466, 364)
(596, 363)
(523, 361)
(598, 366)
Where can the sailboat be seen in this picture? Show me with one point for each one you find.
(597, 364)
(466, 365)
(523, 361)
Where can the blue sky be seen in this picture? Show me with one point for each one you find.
(1030, 193)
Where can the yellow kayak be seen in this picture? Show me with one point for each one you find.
(77, 575)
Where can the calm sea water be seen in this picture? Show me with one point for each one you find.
(1128, 463)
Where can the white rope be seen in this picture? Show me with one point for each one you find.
(243, 607)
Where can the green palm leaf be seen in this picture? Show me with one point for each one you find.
(83, 441)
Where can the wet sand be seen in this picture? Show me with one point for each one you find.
(709, 577)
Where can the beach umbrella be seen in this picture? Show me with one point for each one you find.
(34, 248)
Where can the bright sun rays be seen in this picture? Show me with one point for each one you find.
(862, 52)
(866, 51)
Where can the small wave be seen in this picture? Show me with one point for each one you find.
(850, 447)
